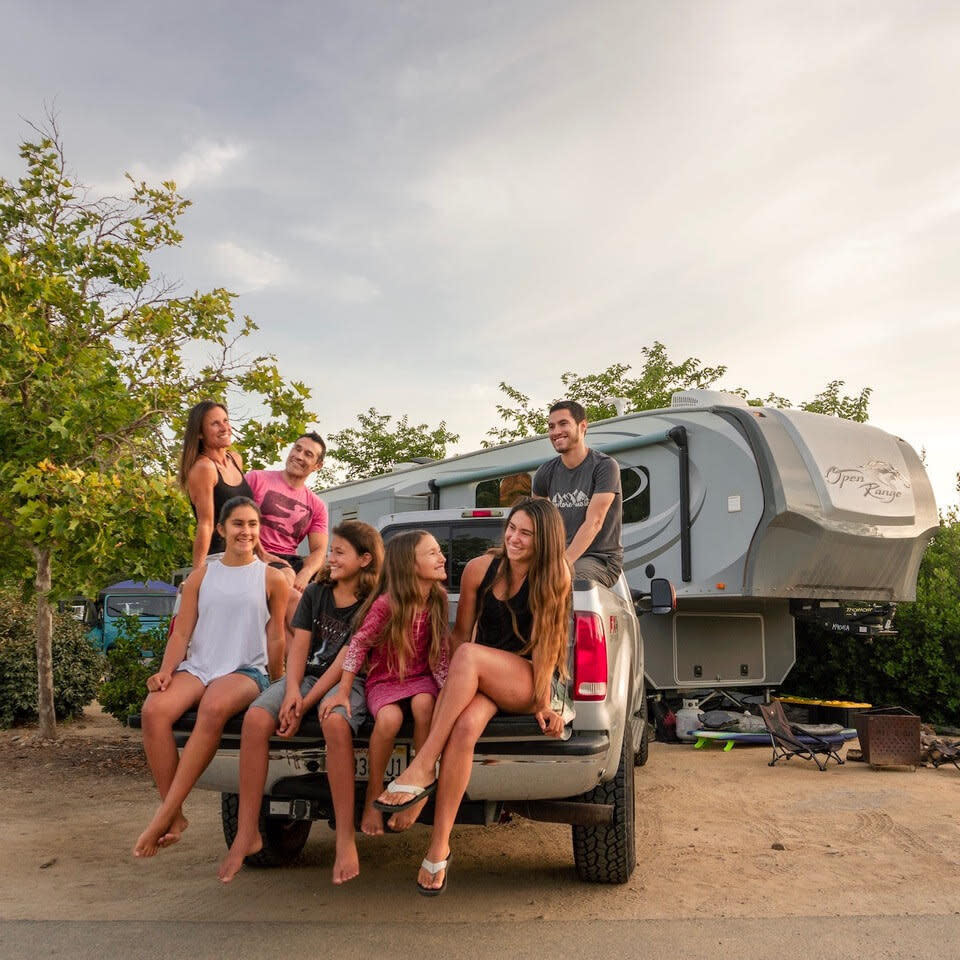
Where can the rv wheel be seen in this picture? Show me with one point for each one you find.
(282, 839)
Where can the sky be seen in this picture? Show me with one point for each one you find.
(418, 200)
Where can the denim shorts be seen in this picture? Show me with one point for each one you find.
(257, 676)
(272, 699)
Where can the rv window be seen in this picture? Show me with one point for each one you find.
(635, 482)
(503, 491)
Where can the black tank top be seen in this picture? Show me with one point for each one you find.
(495, 625)
(223, 492)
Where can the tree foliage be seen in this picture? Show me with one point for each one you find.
(77, 666)
(376, 444)
(658, 379)
(96, 378)
(829, 401)
(125, 685)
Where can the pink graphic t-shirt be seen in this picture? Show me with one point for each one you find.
(287, 515)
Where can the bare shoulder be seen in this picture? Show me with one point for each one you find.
(194, 579)
(275, 579)
(475, 571)
(203, 471)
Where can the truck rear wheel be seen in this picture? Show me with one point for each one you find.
(608, 854)
(282, 839)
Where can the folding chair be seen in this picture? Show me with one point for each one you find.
(787, 742)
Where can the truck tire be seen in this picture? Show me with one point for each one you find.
(608, 854)
(282, 839)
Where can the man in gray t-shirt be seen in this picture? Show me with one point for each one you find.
(584, 485)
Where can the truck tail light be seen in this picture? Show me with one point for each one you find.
(589, 658)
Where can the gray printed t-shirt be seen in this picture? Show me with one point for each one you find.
(571, 490)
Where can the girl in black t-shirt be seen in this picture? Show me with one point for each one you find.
(323, 624)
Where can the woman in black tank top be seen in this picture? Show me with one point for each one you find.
(518, 599)
(210, 473)
(503, 624)
(222, 492)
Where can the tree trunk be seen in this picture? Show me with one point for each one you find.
(44, 635)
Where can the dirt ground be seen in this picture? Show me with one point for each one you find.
(718, 834)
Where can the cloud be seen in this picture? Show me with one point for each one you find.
(203, 163)
(349, 288)
(251, 269)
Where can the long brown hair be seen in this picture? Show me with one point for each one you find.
(193, 436)
(398, 580)
(364, 539)
(548, 581)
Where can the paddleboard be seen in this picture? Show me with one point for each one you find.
(729, 737)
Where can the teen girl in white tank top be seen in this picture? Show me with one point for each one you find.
(232, 616)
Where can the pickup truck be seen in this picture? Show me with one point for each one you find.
(585, 778)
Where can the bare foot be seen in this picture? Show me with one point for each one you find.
(371, 823)
(148, 843)
(416, 775)
(404, 819)
(346, 866)
(240, 849)
(174, 831)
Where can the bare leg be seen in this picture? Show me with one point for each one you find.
(258, 726)
(454, 776)
(504, 677)
(224, 697)
(422, 708)
(160, 712)
(385, 730)
(339, 740)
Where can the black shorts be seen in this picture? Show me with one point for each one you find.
(294, 559)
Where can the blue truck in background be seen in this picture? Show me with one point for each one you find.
(151, 602)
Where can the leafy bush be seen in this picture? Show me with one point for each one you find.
(77, 667)
(125, 688)
(917, 668)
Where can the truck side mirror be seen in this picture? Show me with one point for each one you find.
(663, 598)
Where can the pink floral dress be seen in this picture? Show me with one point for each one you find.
(384, 686)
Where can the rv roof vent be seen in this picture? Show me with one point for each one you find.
(707, 398)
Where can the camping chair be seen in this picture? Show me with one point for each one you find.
(787, 742)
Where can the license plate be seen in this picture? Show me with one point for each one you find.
(396, 763)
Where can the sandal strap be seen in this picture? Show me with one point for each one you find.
(434, 868)
(410, 788)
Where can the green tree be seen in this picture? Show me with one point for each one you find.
(95, 383)
(659, 378)
(375, 445)
(829, 401)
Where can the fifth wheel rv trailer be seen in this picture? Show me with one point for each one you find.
(756, 515)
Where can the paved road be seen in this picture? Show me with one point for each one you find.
(812, 938)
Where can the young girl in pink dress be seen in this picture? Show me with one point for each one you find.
(403, 640)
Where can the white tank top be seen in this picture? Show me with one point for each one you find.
(232, 615)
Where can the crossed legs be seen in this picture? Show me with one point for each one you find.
(221, 699)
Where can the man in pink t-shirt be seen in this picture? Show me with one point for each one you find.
(290, 510)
